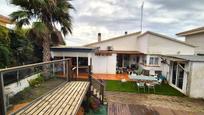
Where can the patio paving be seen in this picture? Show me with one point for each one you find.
(150, 104)
(133, 109)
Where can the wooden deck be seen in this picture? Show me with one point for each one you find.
(134, 109)
(64, 100)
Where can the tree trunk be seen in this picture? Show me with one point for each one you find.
(46, 49)
(46, 56)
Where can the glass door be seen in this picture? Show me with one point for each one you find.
(174, 73)
(180, 76)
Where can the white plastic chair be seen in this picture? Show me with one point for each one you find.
(140, 85)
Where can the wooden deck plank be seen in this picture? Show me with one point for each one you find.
(64, 100)
(57, 105)
(44, 101)
(74, 101)
(71, 98)
(67, 108)
(80, 98)
(51, 104)
(28, 108)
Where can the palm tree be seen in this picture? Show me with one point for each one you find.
(43, 15)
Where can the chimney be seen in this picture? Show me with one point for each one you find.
(99, 37)
(126, 32)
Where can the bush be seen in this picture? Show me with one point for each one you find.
(37, 81)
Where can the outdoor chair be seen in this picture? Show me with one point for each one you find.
(158, 82)
(150, 86)
(140, 85)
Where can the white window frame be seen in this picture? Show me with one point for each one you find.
(154, 60)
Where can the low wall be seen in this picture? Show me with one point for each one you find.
(16, 87)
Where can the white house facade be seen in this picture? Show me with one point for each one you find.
(196, 38)
(154, 53)
(140, 48)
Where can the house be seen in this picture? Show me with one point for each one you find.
(154, 52)
(195, 37)
(186, 73)
(138, 48)
(143, 49)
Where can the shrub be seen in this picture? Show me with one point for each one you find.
(37, 81)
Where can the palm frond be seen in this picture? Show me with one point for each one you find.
(19, 15)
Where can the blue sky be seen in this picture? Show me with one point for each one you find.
(114, 17)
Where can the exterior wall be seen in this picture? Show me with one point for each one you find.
(197, 80)
(165, 70)
(14, 88)
(128, 43)
(142, 43)
(104, 64)
(196, 40)
(163, 46)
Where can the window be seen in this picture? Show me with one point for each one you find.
(156, 61)
(153, 61)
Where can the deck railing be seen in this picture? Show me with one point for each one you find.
(19, 77)
(96, 87)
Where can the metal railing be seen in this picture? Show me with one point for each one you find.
(24, 72)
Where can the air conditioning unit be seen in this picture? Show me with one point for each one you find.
(110, 48)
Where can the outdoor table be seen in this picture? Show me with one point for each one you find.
(142, 78)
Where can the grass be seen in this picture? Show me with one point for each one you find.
(163, 89)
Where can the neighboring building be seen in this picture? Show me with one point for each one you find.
(5, 21)
(186, 74)
(196, 38)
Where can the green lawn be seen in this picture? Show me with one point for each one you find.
(163, 89)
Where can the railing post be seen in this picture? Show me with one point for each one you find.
(90, 79)
(102, 91)
(90, 75)
(18, 81)
(69, 66)
(67, 70)
(2, 96)
(53, 69)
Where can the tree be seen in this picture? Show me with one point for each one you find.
(43, 15)
(4, 47)
(21, 48)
